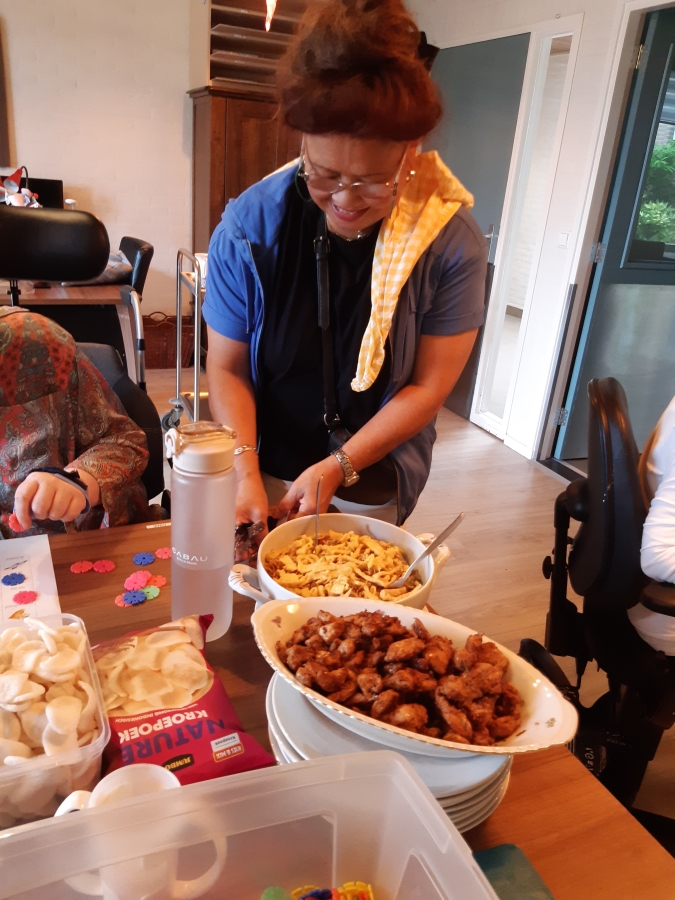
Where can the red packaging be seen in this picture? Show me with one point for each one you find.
(167, 707)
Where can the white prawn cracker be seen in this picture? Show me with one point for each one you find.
(63, 714)
(11, 685)
(10, 726)
(183, 671)
(33, 722)
(28, 656)
(158, 669)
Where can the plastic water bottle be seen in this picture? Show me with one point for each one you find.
(203, 495)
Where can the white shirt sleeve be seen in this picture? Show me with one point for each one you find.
(658, 537)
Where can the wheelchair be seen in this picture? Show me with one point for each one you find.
(58, 245)
(619, 734)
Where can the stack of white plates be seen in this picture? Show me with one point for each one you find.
(468, 786)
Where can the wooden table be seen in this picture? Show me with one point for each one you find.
(89, 295)
(582, 842)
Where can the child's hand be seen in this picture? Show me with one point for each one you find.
(42, 496)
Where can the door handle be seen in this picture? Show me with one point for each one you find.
(492, 237)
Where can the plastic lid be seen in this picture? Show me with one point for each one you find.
(201, 447)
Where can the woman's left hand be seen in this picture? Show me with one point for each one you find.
(300, 499)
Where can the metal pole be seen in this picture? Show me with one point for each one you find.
(198, 336)
(195, 289)
(179, 323)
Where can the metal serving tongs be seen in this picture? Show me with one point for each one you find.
(427, 550)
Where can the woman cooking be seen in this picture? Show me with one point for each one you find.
(362, 250)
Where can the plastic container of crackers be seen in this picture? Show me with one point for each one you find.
(53, 724)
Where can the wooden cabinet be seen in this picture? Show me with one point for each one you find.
(238, 138)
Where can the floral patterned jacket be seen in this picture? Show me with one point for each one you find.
(56, 409)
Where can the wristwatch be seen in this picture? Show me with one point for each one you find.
(351, 477)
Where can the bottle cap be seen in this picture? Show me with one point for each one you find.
(201, 448)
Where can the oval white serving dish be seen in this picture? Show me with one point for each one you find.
(547, 718)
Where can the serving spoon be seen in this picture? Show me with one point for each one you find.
(316, 513)
(427, 550)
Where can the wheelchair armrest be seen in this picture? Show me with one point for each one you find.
(576, 499)
(539, 657)
(659, 597)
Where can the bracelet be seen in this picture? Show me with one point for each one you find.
(69, 478)
(244, 448)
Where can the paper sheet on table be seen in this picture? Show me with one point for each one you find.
(32, 557)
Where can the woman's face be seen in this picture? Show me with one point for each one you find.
(348, 159)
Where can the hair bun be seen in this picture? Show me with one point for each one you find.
(360, 35)
(354, 67)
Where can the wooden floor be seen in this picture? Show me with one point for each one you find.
(492, 581)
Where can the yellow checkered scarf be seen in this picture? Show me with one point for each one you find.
(426, 204)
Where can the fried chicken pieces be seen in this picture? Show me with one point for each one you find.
(372, 663)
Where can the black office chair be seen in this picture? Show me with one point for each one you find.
(619, 734)
(138, 406)
(139, 253)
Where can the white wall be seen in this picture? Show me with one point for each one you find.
(580, 169)
(97, 98)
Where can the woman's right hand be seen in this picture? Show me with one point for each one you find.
(252, 504)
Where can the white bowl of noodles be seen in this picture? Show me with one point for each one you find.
(261, 587)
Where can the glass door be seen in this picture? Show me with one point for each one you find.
(628, 329)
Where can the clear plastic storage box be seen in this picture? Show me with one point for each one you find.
(34, 789)
(359, 817)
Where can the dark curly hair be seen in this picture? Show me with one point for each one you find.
(354, 67)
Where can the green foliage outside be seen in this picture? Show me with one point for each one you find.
(657, 212)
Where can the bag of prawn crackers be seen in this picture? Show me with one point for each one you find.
(166, 706)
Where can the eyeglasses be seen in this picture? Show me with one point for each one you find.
(368, 190)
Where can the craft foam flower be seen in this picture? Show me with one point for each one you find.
(137, 580)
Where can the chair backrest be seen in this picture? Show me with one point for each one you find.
(139, 253)
(138, 406)
(51, 244)
(604, 563)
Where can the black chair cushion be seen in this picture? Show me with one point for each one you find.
(138, 406)
(51, 244)
(604, 563)
(659, 597)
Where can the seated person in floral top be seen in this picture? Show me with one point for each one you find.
(57, 413)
